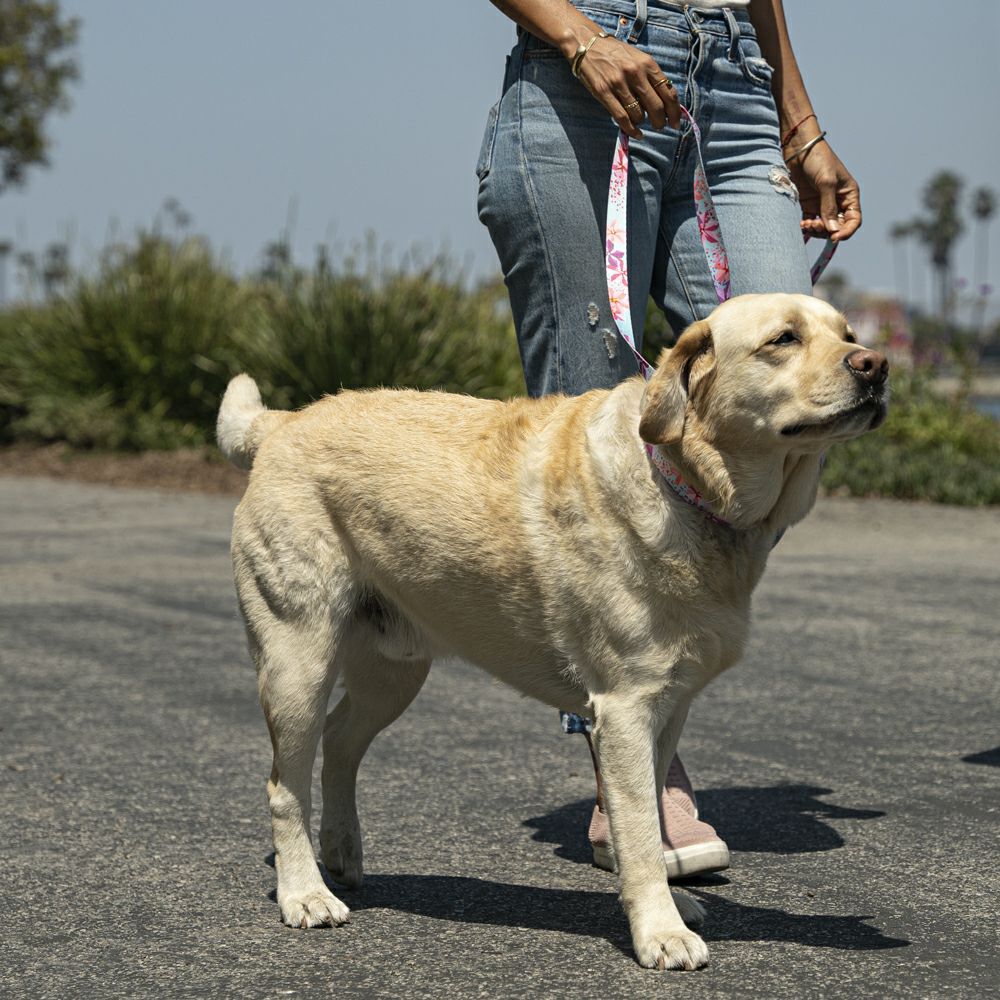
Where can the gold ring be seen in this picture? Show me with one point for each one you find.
(660, 83)
(631, 104)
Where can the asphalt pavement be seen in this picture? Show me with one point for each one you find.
(851, 761)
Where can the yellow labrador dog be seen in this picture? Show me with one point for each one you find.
(538, 540)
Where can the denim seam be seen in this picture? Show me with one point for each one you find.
(533, 200)
(681, 276)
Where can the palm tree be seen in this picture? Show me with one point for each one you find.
(984, 204)
(939, 230)
(899, 233)
(5, 249)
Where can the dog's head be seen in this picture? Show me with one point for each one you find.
(763, 378)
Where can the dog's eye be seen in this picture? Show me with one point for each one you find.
(786, 338)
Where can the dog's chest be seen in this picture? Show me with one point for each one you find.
(703, 605)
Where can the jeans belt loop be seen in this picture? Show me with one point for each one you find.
(641, 15)
(734, 33)
(517, 55)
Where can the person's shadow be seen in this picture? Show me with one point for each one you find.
(781, 819)
(989, 757)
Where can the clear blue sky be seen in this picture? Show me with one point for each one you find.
(369, 117)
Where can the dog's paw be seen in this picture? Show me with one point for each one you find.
(691, 911)
(341, 857)
(318, 908)
(671, 950)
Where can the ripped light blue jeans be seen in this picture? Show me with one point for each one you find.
(543, 174)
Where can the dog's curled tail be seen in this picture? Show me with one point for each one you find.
(244, 421)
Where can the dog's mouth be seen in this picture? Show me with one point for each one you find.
(875, 403)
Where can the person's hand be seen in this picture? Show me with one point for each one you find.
(828, 194)
(629, 85)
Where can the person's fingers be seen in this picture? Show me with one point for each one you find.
(627, 119)
(659, 94)
(811, 222)
(613, 95)
(633, 107)
(607, 82)
(850, 223)
(630, 102)
(638, 76)
(652, 103)
(813, 225)
(849, 202)
(673, 107)
(828, 208)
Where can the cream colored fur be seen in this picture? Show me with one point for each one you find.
(533, 538)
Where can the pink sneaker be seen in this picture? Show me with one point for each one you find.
(690, 847)
(678, 788)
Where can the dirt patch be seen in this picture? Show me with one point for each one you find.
(188, 470)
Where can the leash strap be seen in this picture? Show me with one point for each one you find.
(616, 270)
(709, 231)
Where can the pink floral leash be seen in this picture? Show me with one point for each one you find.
(616, 268)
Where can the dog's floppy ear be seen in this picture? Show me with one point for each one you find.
(666, 396)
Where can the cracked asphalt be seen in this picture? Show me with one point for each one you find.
(851, 761)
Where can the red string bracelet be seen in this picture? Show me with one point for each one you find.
(791, 132)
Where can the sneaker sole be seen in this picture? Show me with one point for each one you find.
(697, 859)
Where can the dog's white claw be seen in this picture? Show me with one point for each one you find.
(319, 908)
(691, 911)
(677, 950)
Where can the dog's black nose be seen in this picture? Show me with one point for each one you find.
(872, 366)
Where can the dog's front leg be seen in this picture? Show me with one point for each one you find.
(625, 731)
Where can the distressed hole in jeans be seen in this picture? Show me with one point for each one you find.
(593, 315)
(781, 181)
(610, 342)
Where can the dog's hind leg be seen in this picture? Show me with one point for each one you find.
(295, 664)
(670, 734)
(378, 690)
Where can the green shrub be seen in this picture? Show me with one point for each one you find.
(138, 356)
(134, 357)
(414, 327)
(930, 448)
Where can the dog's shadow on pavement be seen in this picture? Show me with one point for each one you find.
(597, 914)
(780, 819)
(784, 819)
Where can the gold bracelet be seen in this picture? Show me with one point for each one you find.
(802, 150)
(582, 50)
